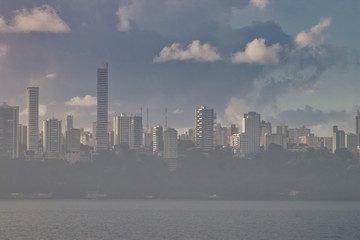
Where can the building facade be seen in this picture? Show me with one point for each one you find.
(52, 138)
(251, 127)
(9, 135)
(204, 128)
(33, 119)
(101, 143)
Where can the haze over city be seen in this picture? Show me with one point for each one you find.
(233, 56)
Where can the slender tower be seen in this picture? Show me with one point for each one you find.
(102, 109)
(32, 118)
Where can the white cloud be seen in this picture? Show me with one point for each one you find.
(50, 76)
(124, 21)
(178, 111)
(196, 51)
(86, 101)
(307, 39)
(259, 3)
(257, 52)
(38, 19)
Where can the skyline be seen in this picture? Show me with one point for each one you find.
(184, 63)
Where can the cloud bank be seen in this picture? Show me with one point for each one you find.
(38, 19)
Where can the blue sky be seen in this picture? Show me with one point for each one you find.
(295, 62)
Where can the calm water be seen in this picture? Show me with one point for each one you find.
(157, 219)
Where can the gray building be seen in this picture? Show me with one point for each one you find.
(101, 142)
(33, 119)
(52, 137)
(9, 135)
(204, 128)
(251, 127)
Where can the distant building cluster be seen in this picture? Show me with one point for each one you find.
(75, 144)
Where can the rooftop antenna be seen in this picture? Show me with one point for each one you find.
(165, 118)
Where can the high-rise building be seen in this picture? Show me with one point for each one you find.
(204, 128)
(351, 142)
(9, 121)
(295, 133)
(33, 119)
(101, 142)
(69, 122)
(135, 136)
(251, 127)
(338, 139)
(171, 148)
(52, 137)
(128, 130)
(221, 135)
(121, 129)
(357, 127)
(157, 139)
(22, 135)
(265, 128)
(72, 140)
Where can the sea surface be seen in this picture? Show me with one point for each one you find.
(184, 219)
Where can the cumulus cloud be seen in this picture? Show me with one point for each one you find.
(38, 19)
(259, 3)
(308, 39)
(124, 21)
(196, 51)
(258, 53)
(86, 101)
(178, 111)
(50, 76)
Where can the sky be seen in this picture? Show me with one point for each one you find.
(294, 62)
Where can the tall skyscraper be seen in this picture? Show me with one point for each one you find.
(157, 139)
(251, 127)
(338, 139)
(357, 127)
(204, 128)
(9, 121)
(33, 119)
(101, 143)
(69, 122)
(52, 137)
(136, 128)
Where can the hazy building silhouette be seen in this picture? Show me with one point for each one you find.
(351, 141)
(295, 133)
(69, 122)
(251, 127)
(128, 130)
(171, 148)
(101, 142)
(135, 136)
(9, 121)
(72, 140)
(338, 139)
(265, 128)
(52, 137)
(33, 119)
(204, 128)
